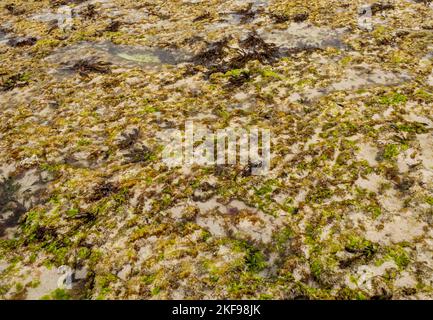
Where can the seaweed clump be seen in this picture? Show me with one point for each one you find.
(247, 14)
(113, 26)
(253, 47)
(22, 42)
(213, 55)
(15, 81)
(13, 10)
(300, 17)
(381, 6)
(89, 12)
(281, 17)
(426, 2)
(202, 17)
(104, 190)
(139, 153)
(90, 65)
(56, 3)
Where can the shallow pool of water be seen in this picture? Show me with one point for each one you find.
(303, 36)
(122, 55)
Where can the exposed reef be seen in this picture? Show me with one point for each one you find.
(89, 90)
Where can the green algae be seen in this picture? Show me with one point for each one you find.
(342, 158)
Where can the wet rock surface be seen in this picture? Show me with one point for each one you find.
(89, 91)
(19, 192)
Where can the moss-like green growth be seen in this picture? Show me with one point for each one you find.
(393, 99)
(58, 294)
(356, 244)
(254, 259)
(391, 151)
(400, 256)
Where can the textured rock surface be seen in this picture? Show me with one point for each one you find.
(85, 103)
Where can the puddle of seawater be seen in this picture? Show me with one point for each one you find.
(360, 77)
(365, 76)
(303, 35)
(122, 55)
(298, 36)
(142, 55)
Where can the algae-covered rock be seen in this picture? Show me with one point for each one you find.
(94, 94)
